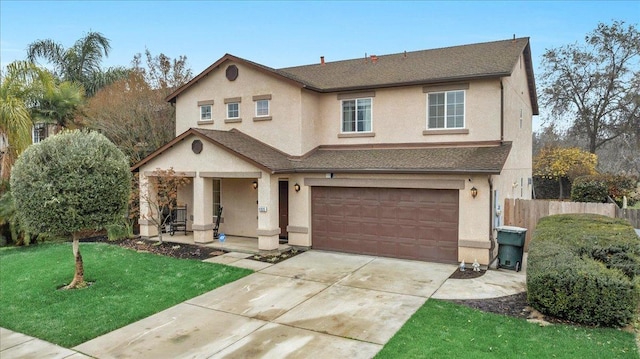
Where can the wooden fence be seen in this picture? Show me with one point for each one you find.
(526, 213)
(631, 215)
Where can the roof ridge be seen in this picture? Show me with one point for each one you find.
(407, 52)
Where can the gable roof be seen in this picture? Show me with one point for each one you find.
(457, 63)
(485, 157)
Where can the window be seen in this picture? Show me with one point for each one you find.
(356, 115)
(216, 197)
(233, 110)
(39, 132)
(262, 108)
(205, 112)
(446, 109)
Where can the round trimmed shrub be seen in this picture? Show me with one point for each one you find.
(73, 181)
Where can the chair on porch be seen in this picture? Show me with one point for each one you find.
(178, 219)
(217, 226)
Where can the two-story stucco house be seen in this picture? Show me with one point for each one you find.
(407, 155)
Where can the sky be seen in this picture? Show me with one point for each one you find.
(290, 33)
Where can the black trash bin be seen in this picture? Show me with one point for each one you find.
(511, 247)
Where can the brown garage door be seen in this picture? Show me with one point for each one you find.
(417, 224)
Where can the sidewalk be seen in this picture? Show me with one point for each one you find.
(358, 283)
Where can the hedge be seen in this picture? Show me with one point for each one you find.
(585, 268)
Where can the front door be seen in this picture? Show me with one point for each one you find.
(283, 208)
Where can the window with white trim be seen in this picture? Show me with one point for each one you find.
(262, 108)
(39, 132)
(205, 112)
(233, 110)
(216, 197)
(445, 110)
(356, 115)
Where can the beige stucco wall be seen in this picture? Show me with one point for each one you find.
(282, 131)
(513, 182)
(399, 115)
(240, 213)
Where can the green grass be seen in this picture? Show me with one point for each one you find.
(128, 286)
(445, 330)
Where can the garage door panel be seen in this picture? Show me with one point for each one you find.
(403, 223)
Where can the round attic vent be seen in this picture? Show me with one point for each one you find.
(196, 146)
(232, 72)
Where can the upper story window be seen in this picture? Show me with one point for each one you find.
(446, 109)
(262, 108)
(233, 110)
(205, 112)
(39, 132)
(356, 115)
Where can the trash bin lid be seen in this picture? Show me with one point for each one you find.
(511, 229)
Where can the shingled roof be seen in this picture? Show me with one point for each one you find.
(456, 63)
(412, 158)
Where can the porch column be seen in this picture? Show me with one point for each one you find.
(148, 193)
(202, 210)
(268, 224)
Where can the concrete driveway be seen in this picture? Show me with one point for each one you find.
(317, 304)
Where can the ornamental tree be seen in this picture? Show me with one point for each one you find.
(160, 193)
(69, 183)
(556, 163)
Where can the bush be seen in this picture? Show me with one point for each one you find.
(550, 188)
(589, 189)
(592, 188)
(585, 268)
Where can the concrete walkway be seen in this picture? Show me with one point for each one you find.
(307, 306)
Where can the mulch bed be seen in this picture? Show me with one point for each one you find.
(186, 251)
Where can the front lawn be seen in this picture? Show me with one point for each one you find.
(445, 330)
(128, 286)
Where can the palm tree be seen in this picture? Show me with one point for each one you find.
(59, 104)
(79, 63)
(19, 89)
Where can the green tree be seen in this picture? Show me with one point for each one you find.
(556, 163)
(160, 193)
(21, 87)
(595, 86)
(79, 63)
(69, 183)
(132, 112)
(59, 104)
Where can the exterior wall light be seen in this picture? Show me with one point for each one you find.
(474, 192)
(255, 184)
(296, 187)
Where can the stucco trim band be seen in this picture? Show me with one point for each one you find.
(268, 232)
(262, 118)
(261, 97)
(445, 87)
(205, 122)
(202, 227)
(353, 95)
(474, 244)
(359, 134)
(461, 131)
(206, 102)
(297, 229)
(385, 183)
(233, 120)
(207, 174)
(233, 99)
(189, 174)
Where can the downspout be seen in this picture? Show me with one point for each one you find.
(492, 240)
(501, 112)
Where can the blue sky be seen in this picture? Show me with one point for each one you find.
(287, 33)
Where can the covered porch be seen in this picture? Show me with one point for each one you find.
(239, 244)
